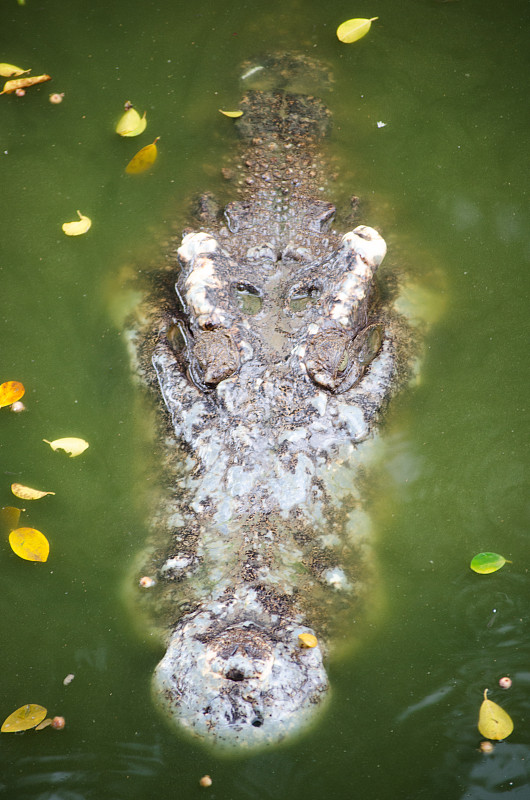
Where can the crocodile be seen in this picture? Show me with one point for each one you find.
(275, 351)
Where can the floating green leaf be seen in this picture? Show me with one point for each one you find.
(29, 544)
(354, 29)
(24, 718)
(484, 563)
(493, 721)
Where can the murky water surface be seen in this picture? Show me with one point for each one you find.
(444, 181)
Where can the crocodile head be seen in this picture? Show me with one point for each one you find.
(309, 320)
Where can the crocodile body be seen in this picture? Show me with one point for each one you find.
(274, 358)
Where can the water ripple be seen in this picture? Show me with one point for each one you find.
(81, 775)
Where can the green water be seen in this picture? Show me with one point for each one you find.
(445, 182)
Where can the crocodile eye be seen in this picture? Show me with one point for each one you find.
(368, 343)
(176, 338)
(247, 298)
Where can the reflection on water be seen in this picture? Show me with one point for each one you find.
(431, 700)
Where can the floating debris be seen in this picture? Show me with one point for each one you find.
(12, 87)
(70, 444)
(77, 228)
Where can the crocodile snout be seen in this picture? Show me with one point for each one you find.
(240, 682)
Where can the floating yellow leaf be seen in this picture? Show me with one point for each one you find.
(131, 123)
(10, 71)
(10, 392)
(24, 718)
(70, 444)
(354, 29)
(29, 544)
(307, 640)
(80, 226)
(9, 518)
(143, 159)
(23, 83)
(232, 114)
(25, 493)
(493, 721)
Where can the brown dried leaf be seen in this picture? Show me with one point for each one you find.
(23, 83)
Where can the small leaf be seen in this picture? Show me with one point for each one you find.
(29, 544)
(44, 724)
(354, 29)
(307, 640)
(232, 114)
(143, 159)
(23, 83)
(493, 721)
(10, 71)
(484, 563)
(80, 226)
(9, 518)
(25, 493)
(131, 123)
(70, 444)
(24, 718)
(10, 392)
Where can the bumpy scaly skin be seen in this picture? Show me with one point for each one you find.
(286, 358)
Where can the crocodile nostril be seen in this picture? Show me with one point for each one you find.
(235, 675)
(257, 723)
